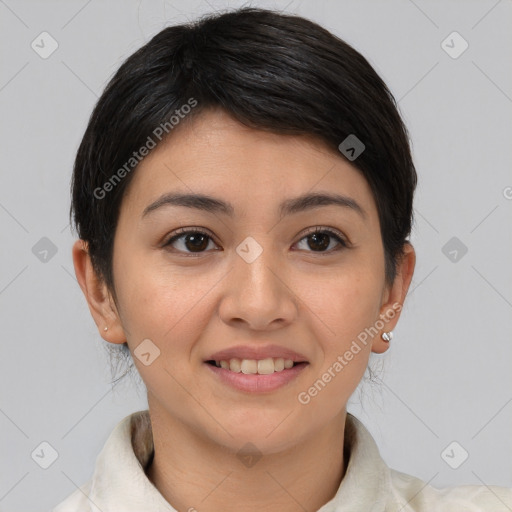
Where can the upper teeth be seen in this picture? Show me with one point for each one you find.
(262, 366)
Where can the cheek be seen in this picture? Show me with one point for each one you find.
(348, 307)
(345, 306)
(159, 304)
(345, 302)
(170, 310)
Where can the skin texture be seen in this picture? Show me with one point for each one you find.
(192, 304)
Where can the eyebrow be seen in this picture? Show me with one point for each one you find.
(288, 207)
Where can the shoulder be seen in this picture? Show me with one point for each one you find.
(119, 481)
(415, 495)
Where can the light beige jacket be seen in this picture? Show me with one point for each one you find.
(119, 483)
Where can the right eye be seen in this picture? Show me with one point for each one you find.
(191, 240)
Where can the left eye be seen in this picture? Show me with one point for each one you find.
(320, 238)
(197, 241)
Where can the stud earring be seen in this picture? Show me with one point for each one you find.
(105, 328)
(387, 336)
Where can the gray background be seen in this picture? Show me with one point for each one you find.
(447, 376)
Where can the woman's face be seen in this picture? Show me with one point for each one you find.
(259, 278)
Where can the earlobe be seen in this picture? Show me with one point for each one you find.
(99, 300)
(391, 309)
(381, 344)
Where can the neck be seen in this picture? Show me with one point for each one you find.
(193, 473)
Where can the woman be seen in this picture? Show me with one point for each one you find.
(243, 196)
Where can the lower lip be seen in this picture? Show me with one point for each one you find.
(255, 383)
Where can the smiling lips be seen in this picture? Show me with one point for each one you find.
(257, 369)
(263, 360)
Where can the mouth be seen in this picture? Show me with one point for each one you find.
(255, 376)
(256, 368)
(266, 366)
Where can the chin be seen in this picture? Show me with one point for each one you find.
(268, 433)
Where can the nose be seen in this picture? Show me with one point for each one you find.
(258, 294)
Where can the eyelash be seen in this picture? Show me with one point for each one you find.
(180, 233)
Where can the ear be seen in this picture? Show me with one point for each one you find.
(101, 304)
(394, 297)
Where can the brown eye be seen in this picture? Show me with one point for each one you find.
(193, 241)
(320, 239)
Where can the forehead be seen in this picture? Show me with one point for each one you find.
(216, 155)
